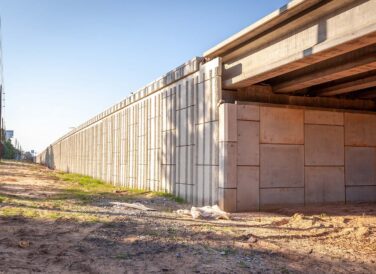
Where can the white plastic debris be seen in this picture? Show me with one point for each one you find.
(205, 212)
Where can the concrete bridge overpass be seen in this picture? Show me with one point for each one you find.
(281, 113)
(307, 48)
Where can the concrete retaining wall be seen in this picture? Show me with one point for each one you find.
(279, 155)
(162, 138)
(176, 135)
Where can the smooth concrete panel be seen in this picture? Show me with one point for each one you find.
(324, 145)
(190, 164)
(227, 165)
(208, 99)
(227, 199)
(207, 184)
(281, 166)
(191, 126)
(216, 87)
(211, 143)
(361, 194)
(208, 143)
(190, 194)
(181, 190)
(248, 143)
(183, 127)
(214, 185)
(281, 125)
(324, 185)
(274, 197)
(200, 182)
(360, 166)
(321, 117)
(191, 89)
(248, 188)
(200, 144)
(248, 112)
(183, 95)
(227, 123)
(168, 149)
(182, 168)
(200, 103)
(360, 129)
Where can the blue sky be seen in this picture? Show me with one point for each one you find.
(67, 60)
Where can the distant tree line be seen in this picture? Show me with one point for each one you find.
(9, 151)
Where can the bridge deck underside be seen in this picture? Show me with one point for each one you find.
(350, 75)
(329, 50)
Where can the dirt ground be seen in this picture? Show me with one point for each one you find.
(53, 223)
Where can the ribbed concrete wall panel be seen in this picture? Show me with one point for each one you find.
(163, 137)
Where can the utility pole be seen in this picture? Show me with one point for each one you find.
(1, 121)
(1, 97)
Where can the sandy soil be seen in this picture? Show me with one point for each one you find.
(40, 233)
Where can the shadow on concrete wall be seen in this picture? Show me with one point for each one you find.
(50, 158)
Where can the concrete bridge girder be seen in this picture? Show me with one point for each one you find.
(297, 39)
